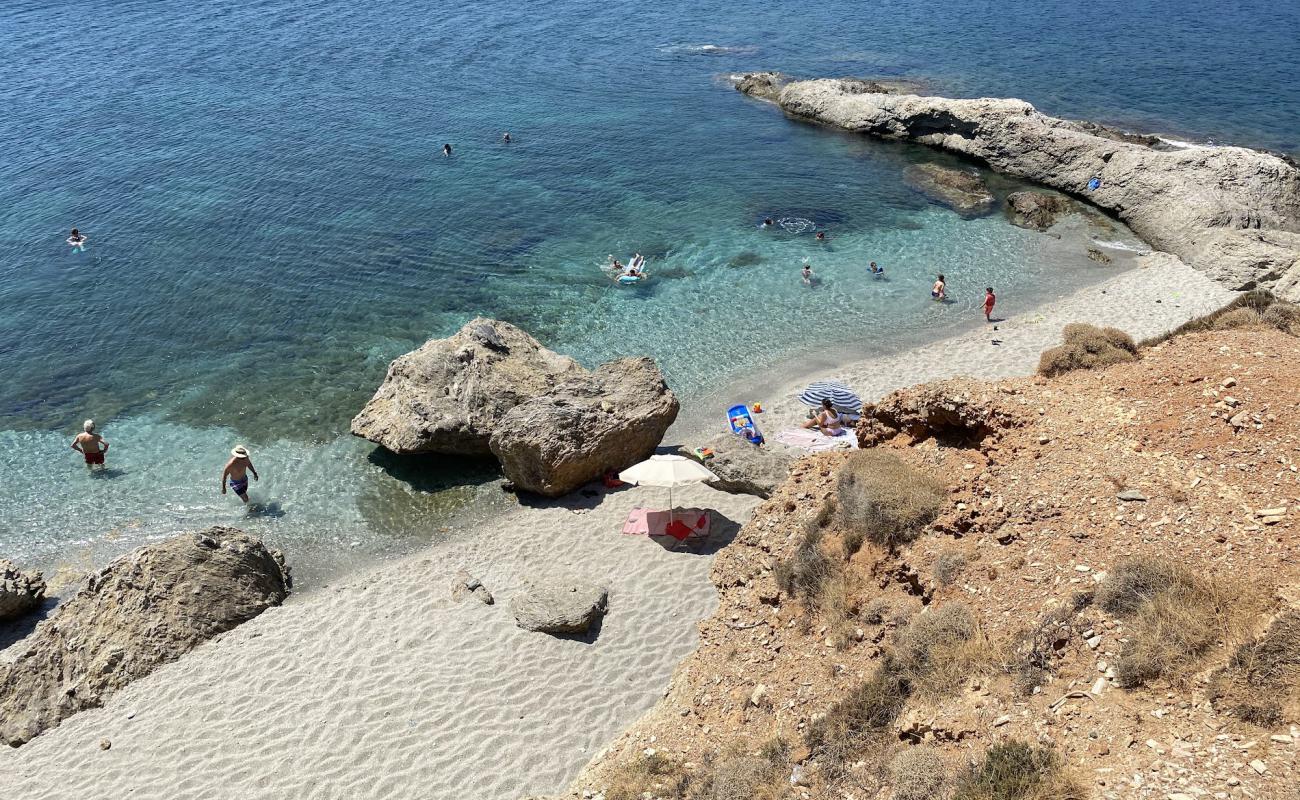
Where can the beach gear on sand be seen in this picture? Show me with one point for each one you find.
(667, 471)
(815, 441)
(1094, 184)
(841, 396)
(742, 424)
(689, 523)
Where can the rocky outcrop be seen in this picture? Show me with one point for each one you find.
(143, 610)
(744, 468)
(1037, 211)
(559, 607)
(20, 592)
(762, 85)
(448, 396)
(957, 411)
(1231, 212)
(964, 191)
(606, 420)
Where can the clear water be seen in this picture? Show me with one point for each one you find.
(270, 220)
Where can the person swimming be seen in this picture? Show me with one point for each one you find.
(77, 239)
(446, 151)
(821, 236)
(634, 267)
(505, 137)
(767, 223)
(807, 274)
(877, 271)
(940, 290)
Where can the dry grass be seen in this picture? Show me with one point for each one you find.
(1087, 347)
(1016, 771)
(1175, 618)
(658, 774)
(1261, 682)
(861, 720)
(942, 649)
(884, 500)
(1258, 307)
(949, 565)
(751, 776)
(807, 570)
(918, 773)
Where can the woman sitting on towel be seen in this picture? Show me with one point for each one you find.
(827, 420)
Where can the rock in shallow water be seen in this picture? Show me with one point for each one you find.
(20, 592)
(143, 610)
(559, 607)
(1037, 211)
(964, 191)
(447, 396)
(607, 420)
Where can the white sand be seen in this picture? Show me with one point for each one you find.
(1157, 296)
(382, 687)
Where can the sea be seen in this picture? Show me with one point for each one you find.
(270, 221)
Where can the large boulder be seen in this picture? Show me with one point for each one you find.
(448, 396)
(1231, 212)
(20, 592)
(744, 468)
(606, 420)
(143, 610)
(559, 607)
(1037, 211)
(962, 190)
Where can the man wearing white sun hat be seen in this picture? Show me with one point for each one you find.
(237, 469)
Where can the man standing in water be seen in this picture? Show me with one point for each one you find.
(91, 445)
(237, 469)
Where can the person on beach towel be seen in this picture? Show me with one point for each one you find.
(237, 469)
(91, 445)
(989, 300)
(827, 420)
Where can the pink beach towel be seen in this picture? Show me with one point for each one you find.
(682, 524)
(816, 441)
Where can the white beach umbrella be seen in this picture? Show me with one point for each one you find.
(667, 471)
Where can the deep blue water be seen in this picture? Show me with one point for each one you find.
(270, 220)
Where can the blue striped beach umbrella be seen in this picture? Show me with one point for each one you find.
(842, 397)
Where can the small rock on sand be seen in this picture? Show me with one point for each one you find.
(559, 607)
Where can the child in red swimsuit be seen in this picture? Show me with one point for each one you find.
(989, 300)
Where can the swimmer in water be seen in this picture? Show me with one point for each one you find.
(807, 275)
(821, 236)
(940, 290)
(77, 240)
(446, 151)
(877, 271)
(767, 223)
(505, 137)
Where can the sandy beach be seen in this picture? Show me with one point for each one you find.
(382, 686)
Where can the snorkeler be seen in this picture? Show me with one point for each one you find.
(77, 240)
(446, 151)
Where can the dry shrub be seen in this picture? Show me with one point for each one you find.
(752, 776)
(1175, 618)
(1016, 771)
(941, 649)
(1238, 318)
(884, 500)
(860, 720)
(918, 773)
(949, 565)
(1268, 310)
(658, 774)
(1087, 347)
(1037, 647)
(1261, 682)
(807, 569)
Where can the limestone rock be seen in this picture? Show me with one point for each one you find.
(956, 410)
(559, 607)
(744, 468)
(1231, 212)
(1037, 210)
(20, 592)
(143, 610)
(464, 585)
(447, 396)
(606, 420)
(762, 85)
(964, 191)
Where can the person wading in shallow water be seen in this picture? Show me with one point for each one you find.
(237, 469)
(91, 445)
(446, 151)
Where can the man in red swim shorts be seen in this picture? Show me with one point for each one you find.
(91, 445)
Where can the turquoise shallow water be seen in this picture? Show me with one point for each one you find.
(270, 221)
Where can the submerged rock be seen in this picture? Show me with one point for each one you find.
(20, 592)
(744, 468)
(964, 191)
(143, 610)
(447, 396)
(1231, 212)
(606, 420)
(1037, 211)
(559, 607)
